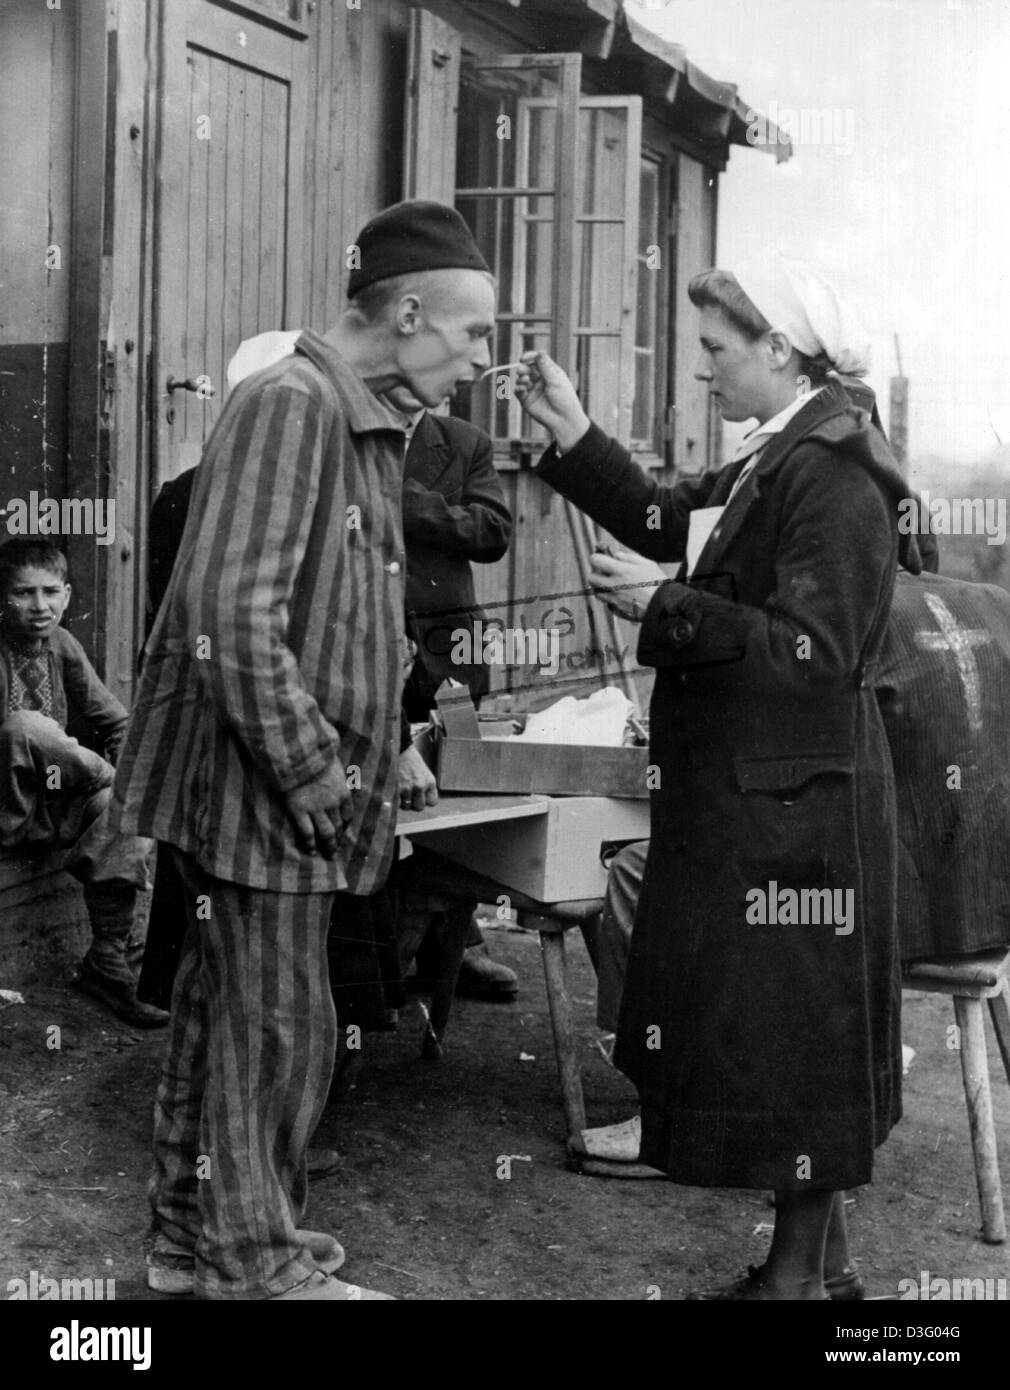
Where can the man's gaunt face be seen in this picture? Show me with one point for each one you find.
(451, 345)
(34, 603)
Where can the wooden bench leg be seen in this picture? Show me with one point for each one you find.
(552, 947)
(999, 1009)
(975, 1071)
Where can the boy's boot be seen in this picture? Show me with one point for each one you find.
(106, 971)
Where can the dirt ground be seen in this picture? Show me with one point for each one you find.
(419, 1203)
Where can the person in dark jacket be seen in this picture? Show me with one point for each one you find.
(454, 514)
(760, 1021)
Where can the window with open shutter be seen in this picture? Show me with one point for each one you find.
(551, 184)
(565, 207)
(516, 174)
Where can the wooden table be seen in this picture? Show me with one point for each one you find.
(547, 847)
(542, 854)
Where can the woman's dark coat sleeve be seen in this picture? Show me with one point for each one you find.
(599, 476)
(831, 515)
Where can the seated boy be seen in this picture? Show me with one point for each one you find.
(54, 792)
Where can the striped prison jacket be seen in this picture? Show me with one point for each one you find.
(278, 647)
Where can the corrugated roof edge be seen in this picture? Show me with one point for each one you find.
(747, 126)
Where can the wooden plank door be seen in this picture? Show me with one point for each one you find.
(228, 243)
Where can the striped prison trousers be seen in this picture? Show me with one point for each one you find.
(248, 1066)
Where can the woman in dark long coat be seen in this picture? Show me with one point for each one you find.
(761, 1013)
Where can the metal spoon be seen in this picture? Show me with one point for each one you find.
(503, 367)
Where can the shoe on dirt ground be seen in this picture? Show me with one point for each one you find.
(121, 997)
(480, 977)
(319, 1288)
(171, 1267)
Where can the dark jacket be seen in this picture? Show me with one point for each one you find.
(454, 512)
(776, 1042)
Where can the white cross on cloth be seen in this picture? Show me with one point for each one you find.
(959, 641)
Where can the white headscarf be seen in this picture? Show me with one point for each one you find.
(261, 351)
(797, 301)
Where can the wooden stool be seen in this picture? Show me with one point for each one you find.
(432, 874)
(552, 921)
(970, 980)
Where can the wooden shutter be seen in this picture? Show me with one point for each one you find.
(693, 435)
(429, 157)
(606, 252)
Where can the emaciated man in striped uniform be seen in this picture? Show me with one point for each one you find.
(264, 747)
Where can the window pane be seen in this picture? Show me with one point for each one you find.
(648, 213)
(533, 282)
(650, 287)
(507, 127)
(643, 422)
(645, 318)
(537, 126)
(482, 159)
(599, 380)
(602, 142)
(599, 251)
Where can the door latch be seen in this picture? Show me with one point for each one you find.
(201, 385)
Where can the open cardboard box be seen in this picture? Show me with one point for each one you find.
(468, 756)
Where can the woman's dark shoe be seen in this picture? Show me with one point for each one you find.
(749, 1289)
(845, 1287)
(840, 1288)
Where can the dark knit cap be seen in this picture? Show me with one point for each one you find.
(414, 236)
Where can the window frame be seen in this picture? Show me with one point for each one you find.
(254, 9)
(659, 452)
(562, 309)
(632, 107)
(646, 140)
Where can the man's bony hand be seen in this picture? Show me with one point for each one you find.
(320, 810)
(418, 787)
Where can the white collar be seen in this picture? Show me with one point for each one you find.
(759, 436)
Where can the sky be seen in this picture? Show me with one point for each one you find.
(908, 210)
